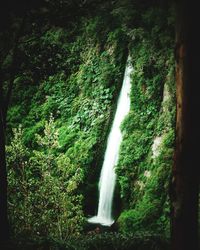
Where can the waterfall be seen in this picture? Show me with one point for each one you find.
(108, 176)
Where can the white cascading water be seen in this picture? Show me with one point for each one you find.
(108, 176)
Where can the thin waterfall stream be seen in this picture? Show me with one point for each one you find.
(108, 177)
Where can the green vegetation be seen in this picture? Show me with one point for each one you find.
(104, 241)
(62, 107)
(63, 127)
(143, 178)
(43, 187)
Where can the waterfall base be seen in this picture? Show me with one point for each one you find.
(101, 220)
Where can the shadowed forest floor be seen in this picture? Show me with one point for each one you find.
(95, 241)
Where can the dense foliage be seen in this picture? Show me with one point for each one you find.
(142, 173)
(104, 241)
(63, 127)
(69, 73)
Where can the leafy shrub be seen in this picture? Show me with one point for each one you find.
(43, 194)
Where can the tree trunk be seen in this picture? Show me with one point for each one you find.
(185, 180)
(4, 227)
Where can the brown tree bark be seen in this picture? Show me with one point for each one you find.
(185, 179)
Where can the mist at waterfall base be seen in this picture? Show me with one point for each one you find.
(108, 176)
